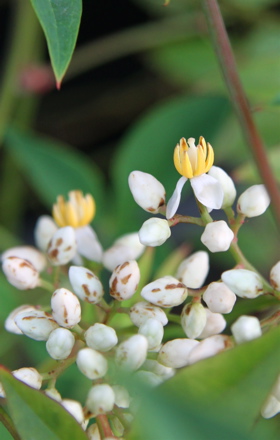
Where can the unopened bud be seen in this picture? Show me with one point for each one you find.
(154, 232)
(45, 228)
(275, 276)
(60, 343)
(124, 280)
(175, 353)
(66, 308)
(143, 310)
(271, 407)
(148, 378)
(30, 376)
(147, 191)
(91, 363)
(100, 399)
(86, 284)
(53, 394)
(152, 329)
(219, 298)
(20, 273)
(62, 247)
(194, 269)
(217, 236)
(36, 324)
(29, 253)
(226, 183)
(74, 408)
(215, 324)
(193, 319)
(101, 337)
(159, 369)
(10, 324)
(165, 292)
(88, 244)
(208, 347)
(122, 398)
(246, 328)
(243, 282)
(132, 353)
(125, 248)
(254, 201)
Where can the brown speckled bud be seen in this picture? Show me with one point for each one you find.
(20, 273)
(86, 284)
(165, 292)
(124, 280)
(36, 324)
(62, 247)
(66, 308)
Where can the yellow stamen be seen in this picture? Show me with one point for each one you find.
(78, 211)
(192, 161)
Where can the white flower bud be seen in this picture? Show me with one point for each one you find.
(147, 191)
(243, 282)
(194, 269)
(88, 244)
(74, 408)
(193, 319)
(66, 308)
(246, 328)
(125, 248)
(219, 298)
(36, 324)
(124, 280)
(175, 353)
(208, 347)
(62, 247)
(20, 273)
(159, 369)
(275, 276)
(30, 376)
(165, 292)
(271, 407)
(148, 378)
(101, 337)
(254, 201)
(152, 329)
(93, 432)
(217, 236)
(53, 394)
(215, 324)
(10, 324)
(60, 343)
(29, 253)
(226, 183)
(44, 230)
(91, 363)
(100, 399)
(154, 232)
(143, 310)
(132, 353)
(122, 398)
(86, 284)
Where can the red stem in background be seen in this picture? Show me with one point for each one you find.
(227, 63)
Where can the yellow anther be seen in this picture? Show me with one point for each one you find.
(192, 161)
(78, 211)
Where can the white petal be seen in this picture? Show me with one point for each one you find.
(174, 202)
(88, 244)
(208, 191)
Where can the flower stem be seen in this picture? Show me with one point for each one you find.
(225, 57)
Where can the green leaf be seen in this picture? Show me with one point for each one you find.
(35, 415)
(60, 21)
(53, 168)
(217, 398)
(149, 146)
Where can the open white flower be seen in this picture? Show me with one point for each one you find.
(193, 162)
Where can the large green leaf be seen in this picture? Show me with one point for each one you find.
(149, 145)
(35, 415)
(53, 168)
(218, 398)
(60, 21)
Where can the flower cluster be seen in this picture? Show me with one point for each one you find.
(128, 316)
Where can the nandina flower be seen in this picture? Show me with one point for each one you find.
(193, 162)
(78, 212)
